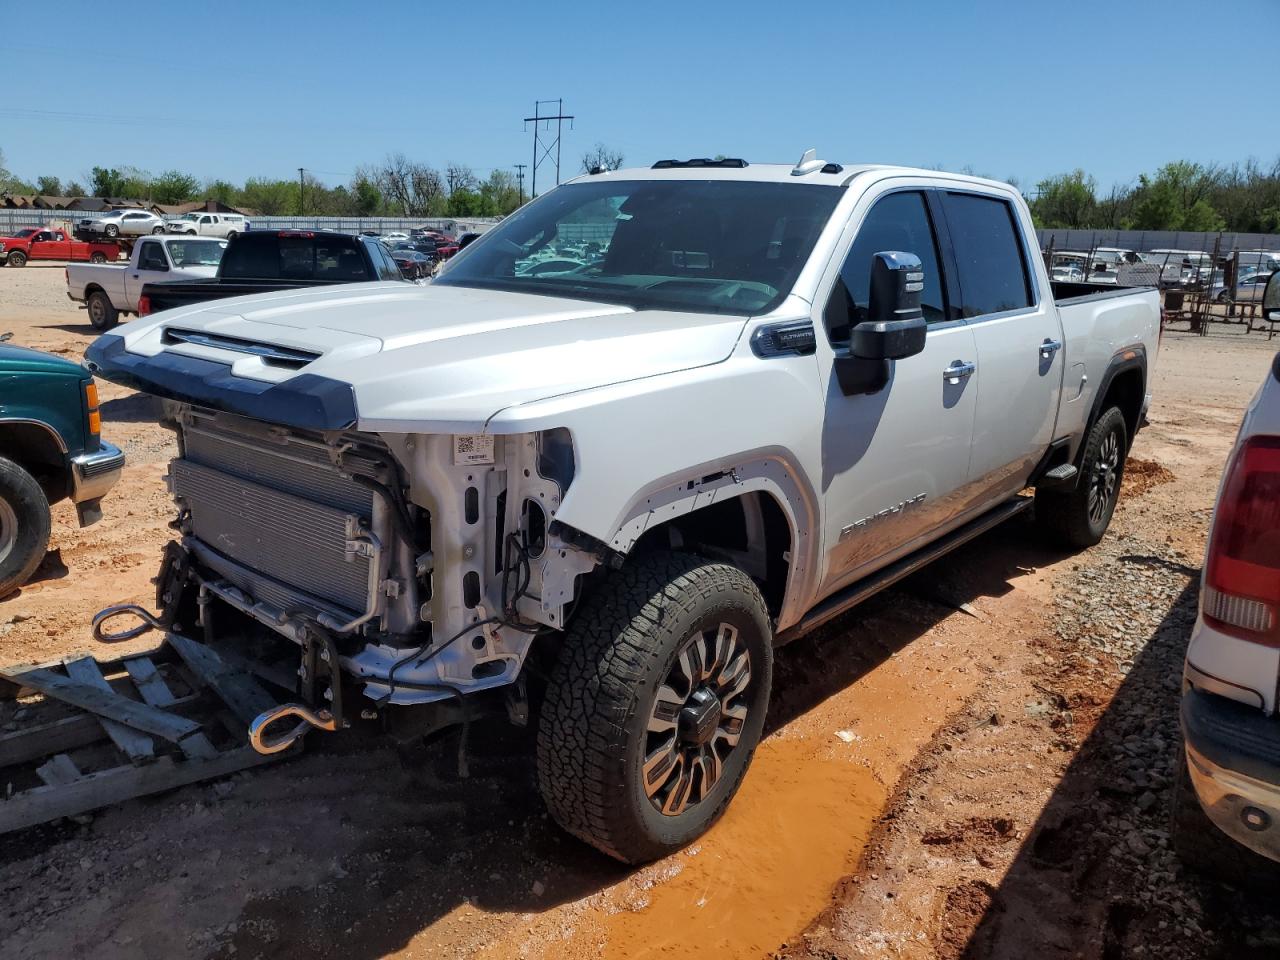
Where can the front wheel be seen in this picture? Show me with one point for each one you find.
(157, 230)
(24, 526)
(112, 230)
(230, 234)
(1080, 517)
(17, 258)
(656, 704)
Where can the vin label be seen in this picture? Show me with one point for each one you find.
(472, 448)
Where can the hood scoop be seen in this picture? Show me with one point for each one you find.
(270, 354)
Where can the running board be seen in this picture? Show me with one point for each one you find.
(855, 593)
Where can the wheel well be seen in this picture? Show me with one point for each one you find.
(1125, 391)
(749, 531)
(34, 448)
(91, 289)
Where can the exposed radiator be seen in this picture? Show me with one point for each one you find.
(285, 514)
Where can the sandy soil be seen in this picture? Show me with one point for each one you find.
(857, 832)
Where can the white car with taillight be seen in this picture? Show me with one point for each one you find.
(1230, 728)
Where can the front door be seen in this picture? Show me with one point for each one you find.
(894, 461)
(1019, 340)
(153, 266)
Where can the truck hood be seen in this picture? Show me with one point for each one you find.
(398, 357)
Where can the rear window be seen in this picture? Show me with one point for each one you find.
(268, 256)
(992, 269)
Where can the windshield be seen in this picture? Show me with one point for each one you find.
(715, 246)
(196, 253)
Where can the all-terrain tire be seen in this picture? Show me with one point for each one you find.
(1072, 517)
(102, 315)
(595, 720)
(17, 258)
(24, 526)
(1202, 846)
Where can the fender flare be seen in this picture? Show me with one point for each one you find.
(1128, 358)
(758, 473)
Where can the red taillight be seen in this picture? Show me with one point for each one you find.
(144, 305)
(1242, 574)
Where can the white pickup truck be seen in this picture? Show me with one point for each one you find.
(108, 290)
(600, 495)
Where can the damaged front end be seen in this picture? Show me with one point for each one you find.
(382, 570)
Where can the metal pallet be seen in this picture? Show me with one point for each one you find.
(79, 734)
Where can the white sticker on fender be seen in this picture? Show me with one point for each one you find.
(472, 448)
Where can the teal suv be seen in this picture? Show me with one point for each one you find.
(50, 450)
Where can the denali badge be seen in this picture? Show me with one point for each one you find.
(857, 525)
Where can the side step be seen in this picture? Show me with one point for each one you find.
(854, 594)
(1063, 475)
(79, 734)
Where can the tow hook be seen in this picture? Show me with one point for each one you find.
(149, 622)
(308, 718)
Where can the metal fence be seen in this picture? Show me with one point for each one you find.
(12, 220)
(1143, 241)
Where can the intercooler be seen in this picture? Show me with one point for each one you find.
(275, 519)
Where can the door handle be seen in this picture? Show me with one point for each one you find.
(1049, 348)
(958, 370)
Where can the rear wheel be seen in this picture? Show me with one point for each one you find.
(112, 230)
(656, 704)
(230, 234)
(1080, 517)
(98, 258)
(17, 258)
(24, 526)
(102, 315)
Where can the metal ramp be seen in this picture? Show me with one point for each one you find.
(79, 734)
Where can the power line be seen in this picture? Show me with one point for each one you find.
(543, 145)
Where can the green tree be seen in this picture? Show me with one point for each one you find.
(222, 191)
(10, 183)
(499, 194)
(271, 198)
(1177, 198)
(174, 186)
(1068, 200)
(74, 189)
(366, 196)
(465, 203)
(49, 186)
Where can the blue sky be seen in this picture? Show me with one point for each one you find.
(1021, 89)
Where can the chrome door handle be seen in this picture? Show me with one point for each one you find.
(1049, 348)
(958, 370)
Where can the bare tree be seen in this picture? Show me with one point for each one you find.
(415, 188)
(601, 157)
(460, 177)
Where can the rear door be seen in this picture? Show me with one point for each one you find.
(1018, 337)
(895, 461)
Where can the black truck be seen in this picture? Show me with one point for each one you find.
(267, 260)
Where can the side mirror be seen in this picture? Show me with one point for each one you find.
(895, 327)
(1271, 299)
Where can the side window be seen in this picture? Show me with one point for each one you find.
(992, 267)
(899, 221)
(152, 257)
(390, 270)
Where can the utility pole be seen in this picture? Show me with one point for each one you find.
(520, 178)
(543, 142)
(301, 207)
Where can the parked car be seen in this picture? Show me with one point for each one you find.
(779, 390)
(123, 223)
(1248, 289)
(50, 450)
(224, 225)
(1231, 731)
(108, 290)
(48, 243)
(413, 264)
(263, 260)
(391, 239)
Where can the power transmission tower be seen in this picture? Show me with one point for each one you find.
(520, 179)
(543, 142)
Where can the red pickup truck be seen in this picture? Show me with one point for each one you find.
(48, 243)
